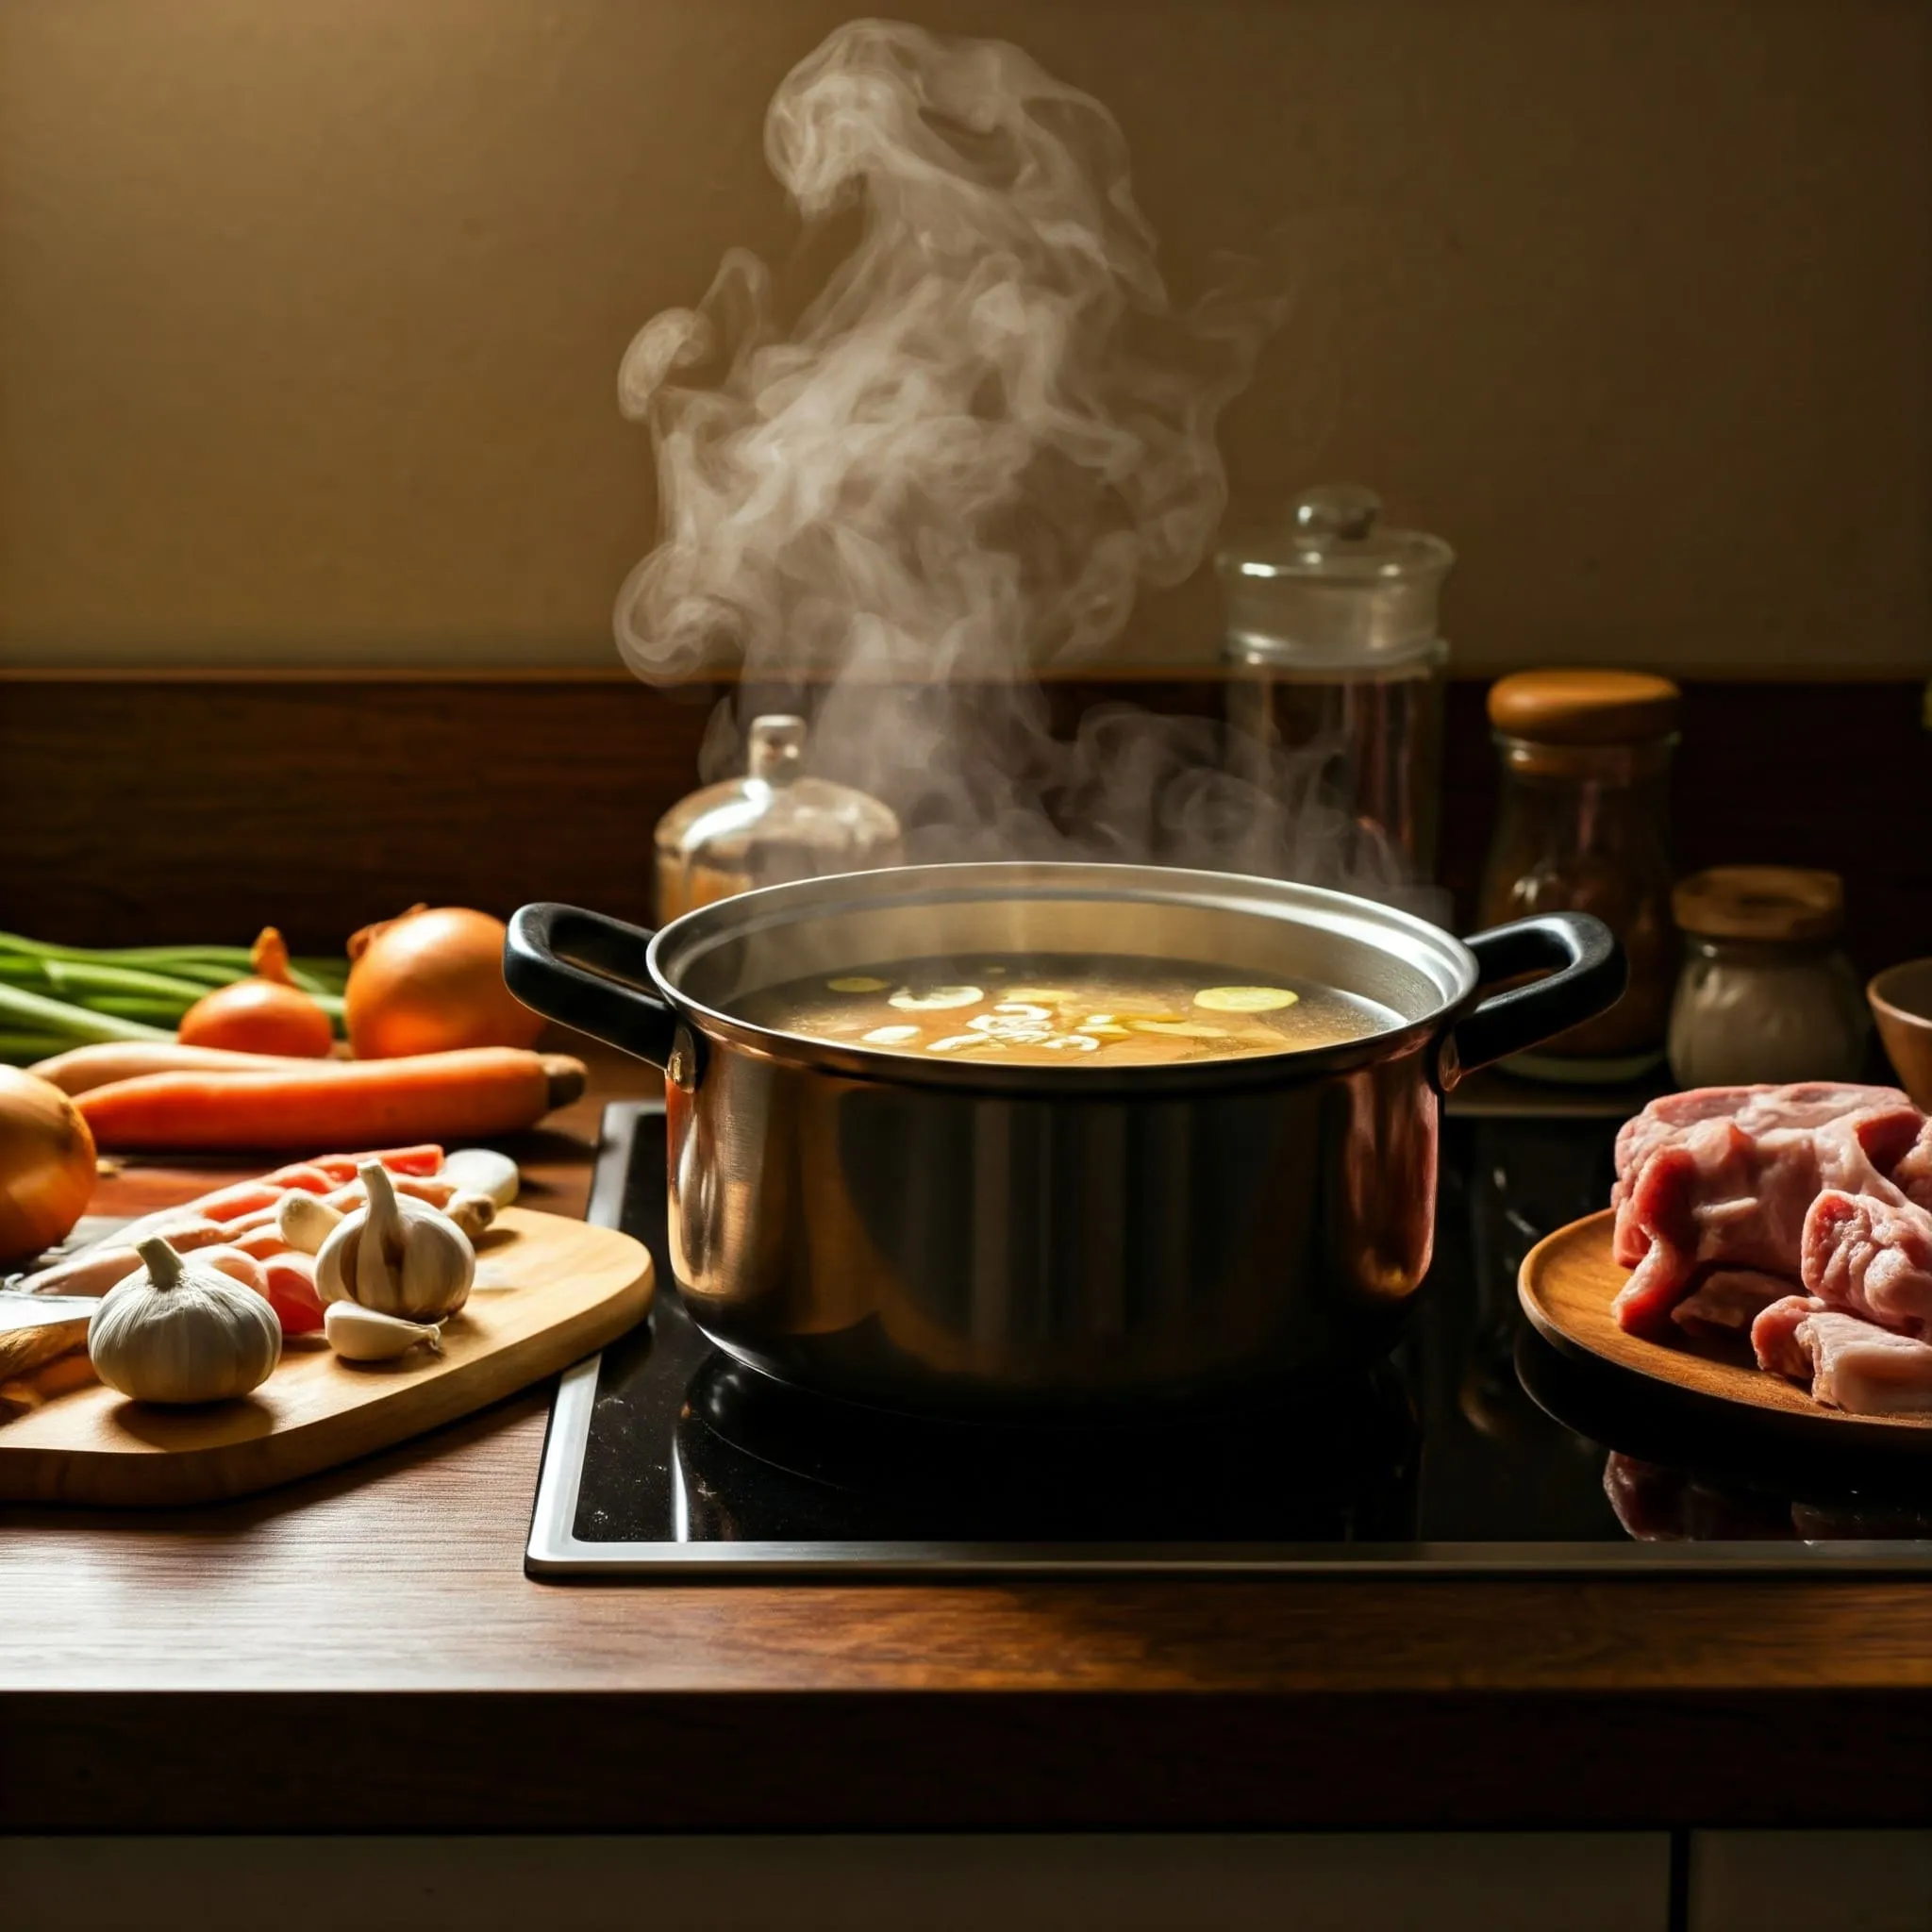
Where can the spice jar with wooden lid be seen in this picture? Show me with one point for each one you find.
(1764, 993)
(1582, 824)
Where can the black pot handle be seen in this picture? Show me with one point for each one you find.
(1589, 977)
(589, 972)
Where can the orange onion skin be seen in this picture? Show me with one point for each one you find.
(258, 1016)
(432, 982)
(46, 1164)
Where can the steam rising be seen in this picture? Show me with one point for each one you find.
(986, 432)
(958, 465)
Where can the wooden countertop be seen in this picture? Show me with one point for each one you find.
(362, 1650)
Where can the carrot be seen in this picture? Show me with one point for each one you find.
(230, 1204)
(181, 1227)
(464, 1095)
(262, 1242)
(346, 1167)
(353, 1194)
(303, 1175)
(292, 1294)
(254, 1218)
(237, 1266)
(84, 1068)
(94, 1271)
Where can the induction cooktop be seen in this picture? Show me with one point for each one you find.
(1475, 1447)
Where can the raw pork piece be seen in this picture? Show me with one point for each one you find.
(1727, 1300)
(1756, 1109)
(1913, 1175)
(1730, 1191)
(1850, 1363)
(1872, 1255)
(1774, 1336)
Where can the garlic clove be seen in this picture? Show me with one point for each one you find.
(482, 1171)
(305, 1222)
(361, 1335)
(335, 1260)
(380, 1249)
(472, 1212)
(431, 1282)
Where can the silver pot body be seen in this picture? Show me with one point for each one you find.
(999, 1242)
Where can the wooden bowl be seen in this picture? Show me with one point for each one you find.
(1901, 998)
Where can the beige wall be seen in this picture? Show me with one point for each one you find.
(310, 309)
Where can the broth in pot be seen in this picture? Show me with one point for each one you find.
(1048, 1009)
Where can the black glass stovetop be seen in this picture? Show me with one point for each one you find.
(1475, 1446)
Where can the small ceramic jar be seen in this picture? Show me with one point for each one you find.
(1764, 992)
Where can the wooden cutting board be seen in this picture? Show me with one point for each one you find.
(1567, 1282)
(548, 1291)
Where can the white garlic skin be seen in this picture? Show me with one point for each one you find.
(306, 1221)
(361, 1335)
(482, 1171)
(472, 1212)
(179, 1333)
(397, 1256)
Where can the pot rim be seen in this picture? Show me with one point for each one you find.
(1457, 971)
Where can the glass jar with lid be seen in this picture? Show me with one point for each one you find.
(1582, 824)
(1764, 992)
(1337, 663)
(776, 823)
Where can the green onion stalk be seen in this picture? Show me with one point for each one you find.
(56, 997)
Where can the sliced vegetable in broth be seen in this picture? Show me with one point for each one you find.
(1063, 1009)
(925, 999)
(1245, 999)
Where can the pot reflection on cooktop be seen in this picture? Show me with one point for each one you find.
(1475, 1444)
(756, 1462)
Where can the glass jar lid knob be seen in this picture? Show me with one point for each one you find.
(776, 751)
(1344, 510)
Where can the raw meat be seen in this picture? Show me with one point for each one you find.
(1866, 1370)
(1872, 1255)
(1723, 1177)
(1727, 1300)
(1850, 1363)
(1913, 1173)
(1774, 1336)
(1756, 1109)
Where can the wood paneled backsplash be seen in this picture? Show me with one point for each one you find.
(135, 810)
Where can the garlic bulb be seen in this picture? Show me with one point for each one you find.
(398, 1257)
(361, 1335)
(181, 1332)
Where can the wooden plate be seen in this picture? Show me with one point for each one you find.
(548, 1291)
(1567, 1282)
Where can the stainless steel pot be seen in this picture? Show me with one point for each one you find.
(995, 1241)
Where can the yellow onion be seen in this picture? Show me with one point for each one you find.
(431, 982)
(46, 1163)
